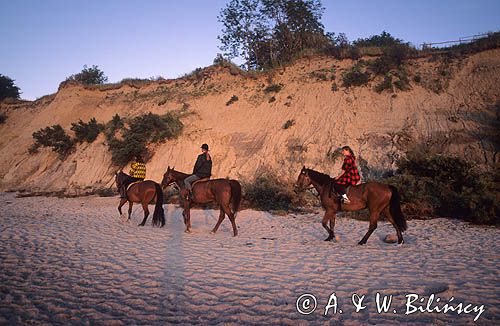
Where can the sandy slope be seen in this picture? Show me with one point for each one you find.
(247, 136)
(74, 261)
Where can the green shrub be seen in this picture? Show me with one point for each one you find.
(398, 53)
(355, 76)
(448, 186)
(403, 83)
(54, 137)
(354, 53)
(8, 89)
(142, 130)
(274, 88)
(272, 99)
(3, 118)
(158, 128)
(393, 58)
(115, 124)
(436, 85)
(382, 65)
(386, 84)
(417, 78)
(288, 124)
(87, 131)
(89, 76)
(334, 87)
(233, 99)
(268, 193)
(383, 40)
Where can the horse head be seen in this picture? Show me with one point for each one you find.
(119, 178)
(168, 177)
(303, 181)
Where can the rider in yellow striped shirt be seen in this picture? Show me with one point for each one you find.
(137, 173)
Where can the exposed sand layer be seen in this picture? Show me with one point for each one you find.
(73, 261)
(248, 137)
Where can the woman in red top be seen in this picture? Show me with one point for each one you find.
(349, 175)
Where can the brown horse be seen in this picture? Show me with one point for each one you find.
(222, 191)
(143, 192)
(377, 197)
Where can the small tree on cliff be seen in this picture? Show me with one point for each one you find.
(7, 88)
(89, 76)
(265, 33)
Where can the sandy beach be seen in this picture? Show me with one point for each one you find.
(74, 261)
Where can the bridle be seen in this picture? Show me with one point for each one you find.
(308, 188)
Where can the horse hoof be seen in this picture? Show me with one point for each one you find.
(187, 231)
(361, 243)
(212, 232)
(328, 239)
(140, 224)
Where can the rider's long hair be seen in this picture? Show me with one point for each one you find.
(350, 151)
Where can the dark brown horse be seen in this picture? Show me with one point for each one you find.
(377, 197)
(223, 191)
(142, 192)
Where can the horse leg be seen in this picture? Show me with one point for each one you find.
(232, 218)
(122, 202)
(371, 228)
(332, 223)
(130, 204)
(222, 215)
(387, 213)
(186, 213)
(146, 213)
(325, 225)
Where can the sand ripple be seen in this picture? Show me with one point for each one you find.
(73, 261)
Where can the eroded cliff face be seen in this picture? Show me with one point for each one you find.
(247, 137)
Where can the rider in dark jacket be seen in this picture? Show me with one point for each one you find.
(202, 168)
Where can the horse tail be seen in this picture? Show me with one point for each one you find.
(395, 208)
(235, 195)
(159, 213)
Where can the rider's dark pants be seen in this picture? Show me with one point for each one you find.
(340, 189)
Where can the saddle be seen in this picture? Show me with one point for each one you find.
(133, 183)
(332, 190)
(200, 180)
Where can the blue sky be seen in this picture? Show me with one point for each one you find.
(43, 42)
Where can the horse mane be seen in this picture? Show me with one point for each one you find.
(180, 174)
(319, 177)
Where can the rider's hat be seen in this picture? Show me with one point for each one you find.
(205, 147)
